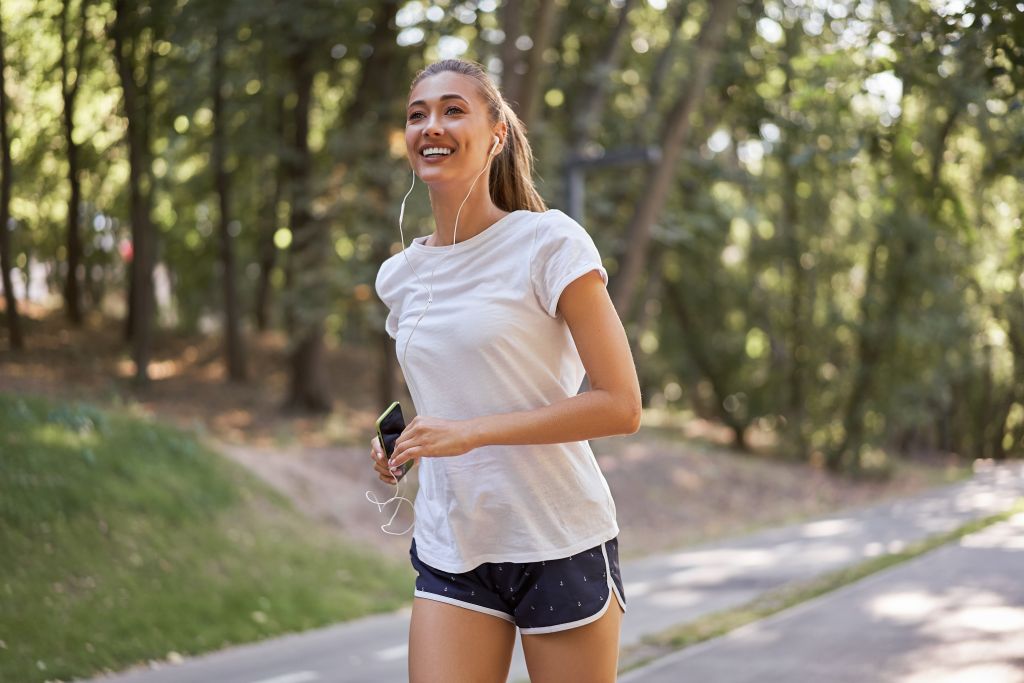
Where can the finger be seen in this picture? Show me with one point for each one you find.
(381, 465)
(406, 455)
(398, 452)
(391, 476)
(411, 431)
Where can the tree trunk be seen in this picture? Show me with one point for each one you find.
(308, 391)
(530, 83)
(13, 319)
(795, 407)
(69, 90)
(511, 20)
(141, 302)
(234, 350)
(268, 219)
(677, 130)
(376, 90)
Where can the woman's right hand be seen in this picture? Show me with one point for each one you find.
(380, 463)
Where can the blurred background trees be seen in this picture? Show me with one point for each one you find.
(827, 248)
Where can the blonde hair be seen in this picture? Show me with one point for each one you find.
(511, 177)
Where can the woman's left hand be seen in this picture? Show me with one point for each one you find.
(432, 437)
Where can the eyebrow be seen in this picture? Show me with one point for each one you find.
(448, 96)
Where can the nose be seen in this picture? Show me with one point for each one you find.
(433, 127)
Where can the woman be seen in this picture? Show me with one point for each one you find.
(497, 315)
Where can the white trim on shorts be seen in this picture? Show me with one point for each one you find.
(466, 605)
(593, 617)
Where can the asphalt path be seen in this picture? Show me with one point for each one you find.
(955, 614)
(661, 591)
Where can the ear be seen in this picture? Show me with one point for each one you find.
(500, 135)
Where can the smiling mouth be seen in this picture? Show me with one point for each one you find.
(436, 157)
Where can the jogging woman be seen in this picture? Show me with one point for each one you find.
(497, 315)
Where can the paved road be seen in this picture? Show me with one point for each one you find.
(661, 591)
(953, 615)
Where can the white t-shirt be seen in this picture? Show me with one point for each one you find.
(492, 342)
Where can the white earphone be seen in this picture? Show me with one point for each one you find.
(370, 496)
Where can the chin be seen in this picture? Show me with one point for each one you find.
(435, 176)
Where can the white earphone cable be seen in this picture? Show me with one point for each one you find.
(370, 495)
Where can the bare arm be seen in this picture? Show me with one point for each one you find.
(612, 406)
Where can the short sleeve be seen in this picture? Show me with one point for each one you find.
(562, 252)
(382, 289)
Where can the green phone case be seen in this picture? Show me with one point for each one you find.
(406, 466)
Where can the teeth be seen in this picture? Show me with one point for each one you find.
(435, 150)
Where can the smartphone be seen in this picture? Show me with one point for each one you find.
(389, 426)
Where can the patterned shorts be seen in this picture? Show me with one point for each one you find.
(538, 597)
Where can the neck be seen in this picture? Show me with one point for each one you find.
(477, 213)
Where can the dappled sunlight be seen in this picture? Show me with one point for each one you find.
(974, 635)
(995, 672)
(1006, 537)
(724, 558)
(994, 619)
(907, 606)
(677, 599)
(392, 653)
(875, 548)
(829, 527)
(637, 589)
(713, 575)
(50, 434)
(974, 630)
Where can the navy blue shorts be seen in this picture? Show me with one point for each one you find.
(538, 597)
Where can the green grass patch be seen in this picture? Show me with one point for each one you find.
(123, 540)
(772, 602)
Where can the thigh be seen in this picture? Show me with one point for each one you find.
(451, 644)
(585, 653)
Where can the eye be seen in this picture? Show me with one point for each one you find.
(448, 109)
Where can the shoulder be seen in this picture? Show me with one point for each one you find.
(387, 275)
(555, 220)
(557, 230)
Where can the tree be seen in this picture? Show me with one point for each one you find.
(71, 80)
(6, 182)
(135, 55)
(234, 348)
(676, 131)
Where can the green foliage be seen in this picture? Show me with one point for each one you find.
(843, 237)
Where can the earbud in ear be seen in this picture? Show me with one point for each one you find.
(495, 145)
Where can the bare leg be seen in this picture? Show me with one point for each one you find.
(588, 654)
(452, 644)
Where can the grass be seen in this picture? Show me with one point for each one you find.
(124, 540)
(772, 602)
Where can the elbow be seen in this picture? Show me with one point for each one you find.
(631, 415)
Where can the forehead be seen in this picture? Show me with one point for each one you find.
(432, 88)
